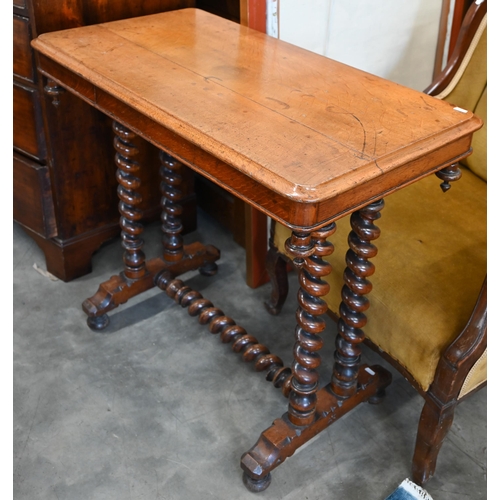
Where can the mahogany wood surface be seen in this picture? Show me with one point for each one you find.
(28, 138)
(300, 137)
(51, 16)
(461, 7)
(449, 32)
(470, 22)
(23, 63)
(443, 32)
(443, 395)
(231, 333)
(354, 298)
(303, 138)
(37, 210)
(140, 274)
(253, 15)
(80, 198)
(256, 238)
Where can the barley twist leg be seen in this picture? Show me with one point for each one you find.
(309, 251)
(354, 301)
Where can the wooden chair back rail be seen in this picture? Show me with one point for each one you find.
(472, 20)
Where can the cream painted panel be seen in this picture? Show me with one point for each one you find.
(304, 23)
(394, 39)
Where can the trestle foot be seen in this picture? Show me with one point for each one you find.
(98, 323)
(283, 438)
(256, 485)
(119, 289)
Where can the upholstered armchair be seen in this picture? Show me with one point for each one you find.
(427, 304)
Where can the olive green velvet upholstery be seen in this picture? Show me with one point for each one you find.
(429, 270)
(432, 253)
(468, 90)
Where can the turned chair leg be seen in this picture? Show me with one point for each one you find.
(435, 422)
(276, 267)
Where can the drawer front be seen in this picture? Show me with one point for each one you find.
(33, 205)
(21, 7)
(28, 128)
(23, 60)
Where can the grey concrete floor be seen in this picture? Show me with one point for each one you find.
(158, 408)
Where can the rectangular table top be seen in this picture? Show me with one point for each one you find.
(300, 136)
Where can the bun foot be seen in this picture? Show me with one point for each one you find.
(256, 485)
(377, 398)
(208, 269)
(272, 309)
(98, 323)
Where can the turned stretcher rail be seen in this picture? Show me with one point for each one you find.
(230, 332)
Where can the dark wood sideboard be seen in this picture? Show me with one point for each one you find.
(64, 180)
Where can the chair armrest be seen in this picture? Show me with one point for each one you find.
(461, 355)
(472, 336)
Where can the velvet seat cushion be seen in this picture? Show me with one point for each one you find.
(429, 269)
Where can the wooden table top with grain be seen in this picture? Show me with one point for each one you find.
(301, 137)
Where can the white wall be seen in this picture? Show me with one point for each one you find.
(394, 39)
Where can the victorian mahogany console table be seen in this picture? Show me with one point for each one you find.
(304, 139)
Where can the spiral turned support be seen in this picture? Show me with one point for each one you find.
(308, 251)
(130, 198)
(218, 322)
(138, 274)
(310, 410)
(170, 173)
(354, 301)
(449, 174)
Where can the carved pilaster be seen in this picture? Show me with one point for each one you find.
(354, 301)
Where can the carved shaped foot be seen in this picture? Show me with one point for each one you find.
(256, 485)
(378, 397)
(209, 269)
(282, 439)
(118, 289)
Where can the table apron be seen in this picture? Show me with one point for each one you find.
(291, 213)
